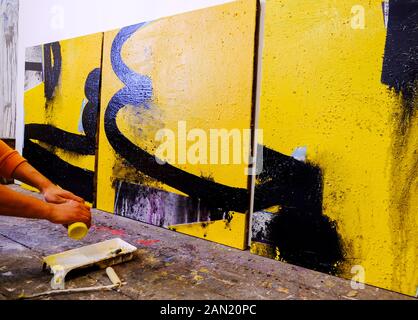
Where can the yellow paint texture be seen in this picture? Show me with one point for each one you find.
(222, 231)
(262, 249)
(321, 88)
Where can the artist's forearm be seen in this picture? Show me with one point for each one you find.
(29, 175)
(18, 205)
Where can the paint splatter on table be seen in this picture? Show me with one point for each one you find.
(166, 266)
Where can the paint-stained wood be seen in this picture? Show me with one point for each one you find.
(9, 17)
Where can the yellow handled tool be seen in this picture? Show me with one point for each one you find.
(78, 230)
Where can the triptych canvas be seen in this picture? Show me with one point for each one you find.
(144, 122)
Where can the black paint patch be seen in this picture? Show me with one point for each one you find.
(305, 238)
(52, 68)
(400, 65)
(303, 235)
(74, 179)
(33, 66)
(287, 182)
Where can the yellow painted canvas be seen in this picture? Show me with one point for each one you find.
(337, 191)
(61, 106)
(176, 113)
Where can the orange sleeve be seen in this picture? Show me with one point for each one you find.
(9, 160)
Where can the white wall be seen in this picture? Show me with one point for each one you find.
(43, 21)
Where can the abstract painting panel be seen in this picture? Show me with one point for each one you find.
(161, 77)
(338, 110)
(62, 81)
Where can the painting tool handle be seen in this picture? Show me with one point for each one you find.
(113, 277)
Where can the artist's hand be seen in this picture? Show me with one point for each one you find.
(69, 212)
(55, 194)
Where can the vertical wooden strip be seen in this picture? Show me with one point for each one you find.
(9, 18)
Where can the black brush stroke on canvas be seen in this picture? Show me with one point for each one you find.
(52, 68)
(56, 137)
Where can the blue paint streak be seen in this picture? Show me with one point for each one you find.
(138, 87)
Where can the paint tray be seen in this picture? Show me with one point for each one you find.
(103, 254)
